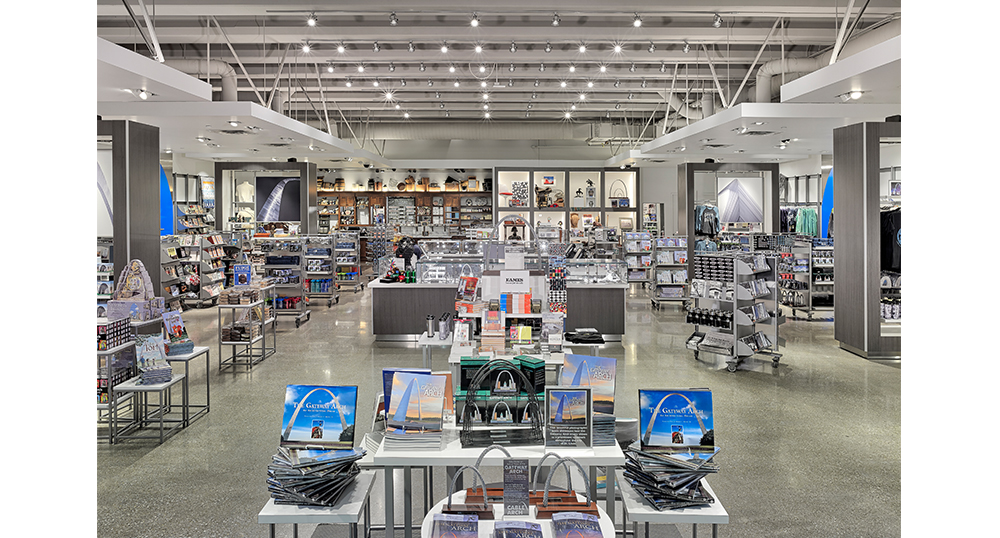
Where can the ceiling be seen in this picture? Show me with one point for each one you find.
(417, 88)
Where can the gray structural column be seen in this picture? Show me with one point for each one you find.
(135, 152)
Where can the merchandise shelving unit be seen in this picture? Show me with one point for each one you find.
(638, 251)
(669, 270)
(172, 280)
(105, 275)
(347, 260)
(283, 262)
(806, 277)
(328, 212)
(212, 268)
(191, 219)
(822, 275)
(242, 315)
(319, 281)
(114, 366)
(740, 285)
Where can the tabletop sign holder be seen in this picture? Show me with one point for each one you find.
(512, 435)
(483, 509)
(549, 507)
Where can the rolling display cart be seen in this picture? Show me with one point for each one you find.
(378, 253)
(638, 248)
(319, 276)
(347, 260)
(283, 259)
(730, 293)
(806, 276)
(669, 270)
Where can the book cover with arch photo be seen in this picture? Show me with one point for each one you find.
(319, 417)
(676, 420)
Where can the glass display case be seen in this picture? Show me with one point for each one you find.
(437, 247)
(592, 271)
(447, 270)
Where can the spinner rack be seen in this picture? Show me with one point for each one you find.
(319, 282)
(283, 262)
(736, 287)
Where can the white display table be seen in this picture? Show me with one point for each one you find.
(143, 416)
(186, 402)
(428, 343)
(352, 505)
(486, 525)
(640, 511)
(453, 456)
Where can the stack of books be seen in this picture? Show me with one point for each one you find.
(311, 477)
(415, 413)
(670, 480)
(492, 336)
(517, 529)
(575, 525)
(604, 430)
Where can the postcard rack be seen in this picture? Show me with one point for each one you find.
(283, 262)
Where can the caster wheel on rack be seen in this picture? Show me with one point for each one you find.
(774, 364)
(731, 367)
(297, 324)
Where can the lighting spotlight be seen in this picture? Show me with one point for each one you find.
(456, 83)
(583, 48)
(479, 48)
(361, 69)
(442, 105)
(486, 95)
(375, 83)
(375, 47)
(572, 69)
(562, 84)
(482, 84)
(643, 84)
(541, 67)
(406, 115)
(513, 46)
(536, 82)
(311, 21)
(568, 115)
(388, 96)
(618, 105)
(402, 82)
(341, 48)
(637, 21)
(856, 94)
(548, 47)
(590, 83)
(451, 68)
(631, 68)
(422, 66)
(393, 20)
(618, 48)
(652, 47)
(143, 94)
(444, 47)
(348, 83)
(717, 21)
(687, 47)
(618, 83)
(329, 68)
(482, 69)
(510, 83)
(630, 95)
(572, 107)
(437, 95)
(663, 68)
(604, 69)
(409, 47)
(306, 48)
(486, 115)
(486, 106)
(511, 68)
(555, 19)
(430, 82)
(234, 123)
(392, 67)
(474, 21)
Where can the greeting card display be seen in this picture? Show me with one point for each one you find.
(676, 420)
(319, 417)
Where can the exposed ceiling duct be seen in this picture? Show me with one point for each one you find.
(493, 130)
(765, 91)
(210, 68)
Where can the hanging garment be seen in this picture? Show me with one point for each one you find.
(891, 255)
(707, 221)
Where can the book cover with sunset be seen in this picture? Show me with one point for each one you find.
(598, 373)
(417, 401)
(318, 416)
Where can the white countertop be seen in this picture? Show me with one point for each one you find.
(347, 510)
(639, 510)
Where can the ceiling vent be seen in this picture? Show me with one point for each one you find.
(716, 146)
(279, 145)
(233, 131)
(759, 133)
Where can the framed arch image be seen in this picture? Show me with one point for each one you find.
(568, 416)
(319, 417)
(676, 420)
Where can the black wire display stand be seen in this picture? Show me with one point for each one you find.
(507, 436)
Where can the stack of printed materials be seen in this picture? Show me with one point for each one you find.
(598, 373)
(151, 358)
(575, 525)
(415, 412)
(316, 461)
(675, 448)
(311, 477)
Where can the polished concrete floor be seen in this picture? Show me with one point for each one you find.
(810, 448)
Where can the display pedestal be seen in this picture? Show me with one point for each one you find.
(639, 511)
(350, 509)
(486, 525)
(186, 403)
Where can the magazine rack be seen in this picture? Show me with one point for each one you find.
(546, 509)
(511, 436)
(481, 509)
(494, 494)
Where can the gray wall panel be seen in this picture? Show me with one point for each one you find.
(404, 309)
(595, 307)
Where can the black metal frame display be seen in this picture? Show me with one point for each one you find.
(515, 436)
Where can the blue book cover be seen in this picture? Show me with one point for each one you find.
(575, 525)
(417, 401)
(455, 526)
(595, 372)
(387, 379)
(517, 529)
(318, 416)
(676, 420)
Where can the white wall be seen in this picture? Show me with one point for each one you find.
(889, 156)
(104, 227)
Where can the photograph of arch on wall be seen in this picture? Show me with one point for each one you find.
(318, 416)
(568, 416)
(676, 420)
(598, 373)
(741, 200)
(278, 199)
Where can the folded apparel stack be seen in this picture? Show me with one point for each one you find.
(669, 480)
(311, 477)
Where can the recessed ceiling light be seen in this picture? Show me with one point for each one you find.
(202, 138)
(168, 151)
(583, 48)
(451, 68)
(311, 21)
(341, 48)
(329, 68)
(406, 115)
(361, 69)
(479, 48)
(583, 96)
(618, 48)
(572, 68)
(603, 68)
(568, 115)
(760, 123)
(444, 47)
(474, 21)
(856, 94)
(393, 20)
(456, 83)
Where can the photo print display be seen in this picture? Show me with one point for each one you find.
(319, 417)
(676, 420)
(568, 416)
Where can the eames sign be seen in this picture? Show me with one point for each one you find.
(514, 281)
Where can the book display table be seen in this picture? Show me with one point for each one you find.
(639, 511)
(453, 456)
(250, 354)
(140, 405)
(352, 507)
(271, 322)
(428, 343)
(186, 402)
(486, 525)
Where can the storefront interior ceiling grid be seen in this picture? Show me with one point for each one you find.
(570, 82)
